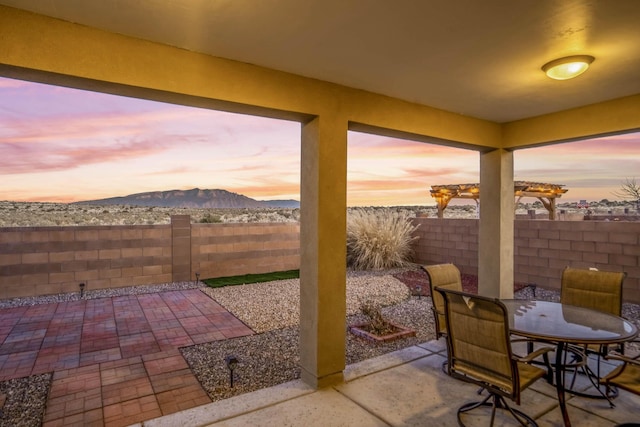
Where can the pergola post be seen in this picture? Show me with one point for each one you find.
(323, 243)
(495, 246)
(550, 206)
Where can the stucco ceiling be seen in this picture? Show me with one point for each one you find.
(477, 58)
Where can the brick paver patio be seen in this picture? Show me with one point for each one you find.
(115, 360)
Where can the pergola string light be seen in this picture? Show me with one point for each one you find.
(546, 193)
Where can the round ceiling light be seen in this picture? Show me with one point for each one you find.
(567, 67)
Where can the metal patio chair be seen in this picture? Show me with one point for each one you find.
(479, 352)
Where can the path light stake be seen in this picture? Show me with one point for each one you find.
(81, 290)
(533, 287)
(197, 278)
(419, 289)
(232, 362)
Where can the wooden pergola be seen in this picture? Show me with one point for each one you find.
(546, 193)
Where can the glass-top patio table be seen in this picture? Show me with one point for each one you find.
(564, 324)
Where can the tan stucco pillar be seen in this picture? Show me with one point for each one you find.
(323, 251)
(495, 249)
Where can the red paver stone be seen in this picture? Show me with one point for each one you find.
(97, 345)
(11, 316)
(132, 325)
(57, 358)
(179, 305)
(99, 310)
(182, 398)
(168, 339)
(62, 336)
(164, 362)
(173, 380)
(126, 390)
(39, 313)
(131, 411)
(115, 360)
(17, 365)
(122, 370)
(100, 356)
(21, 341)
(73, 391)
(138, 344)
(91, 418)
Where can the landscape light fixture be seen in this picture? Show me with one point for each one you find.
(197, 278)
(419, 290)
(567, 67)
(232, 363)
(81, 289)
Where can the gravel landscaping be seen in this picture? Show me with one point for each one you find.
(271, 356)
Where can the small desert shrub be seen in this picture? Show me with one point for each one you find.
(211, 219)
(378, 239)
(377, 323)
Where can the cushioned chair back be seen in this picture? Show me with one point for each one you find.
(478, 341)
(598, 290)
(445, 276)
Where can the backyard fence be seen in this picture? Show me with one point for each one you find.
(49, 260)
(542, 248)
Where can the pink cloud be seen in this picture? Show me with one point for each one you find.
(29, 158)
(58, 130)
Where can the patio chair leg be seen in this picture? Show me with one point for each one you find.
(497, 401)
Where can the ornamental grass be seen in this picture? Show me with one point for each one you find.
(379, 239)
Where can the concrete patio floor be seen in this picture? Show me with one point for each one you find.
(404, 388)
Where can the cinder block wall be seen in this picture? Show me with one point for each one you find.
(50, 260)
(447, 240)
(222, 250)
(542, 248)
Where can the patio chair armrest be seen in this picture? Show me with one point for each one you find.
(620, 357)
(533, 353)
(536, 353)
(529, 358)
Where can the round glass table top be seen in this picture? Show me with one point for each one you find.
(567, 323)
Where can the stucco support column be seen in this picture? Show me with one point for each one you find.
(323, 251)
(495, 249)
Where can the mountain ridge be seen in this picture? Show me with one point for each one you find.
(193, 198)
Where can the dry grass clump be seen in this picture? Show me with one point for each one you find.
(378, 239)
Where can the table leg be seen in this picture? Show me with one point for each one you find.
(560, 384)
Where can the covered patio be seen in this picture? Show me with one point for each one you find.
(465, 74)
(404, 388)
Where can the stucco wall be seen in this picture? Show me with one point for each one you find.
(542, 248)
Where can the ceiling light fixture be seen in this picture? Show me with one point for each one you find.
(567, 67)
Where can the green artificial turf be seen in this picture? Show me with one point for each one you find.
(219, 282)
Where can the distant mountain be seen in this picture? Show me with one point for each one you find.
(290, 204)
(194, 198)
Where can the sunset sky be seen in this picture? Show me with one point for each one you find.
(64, 145)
